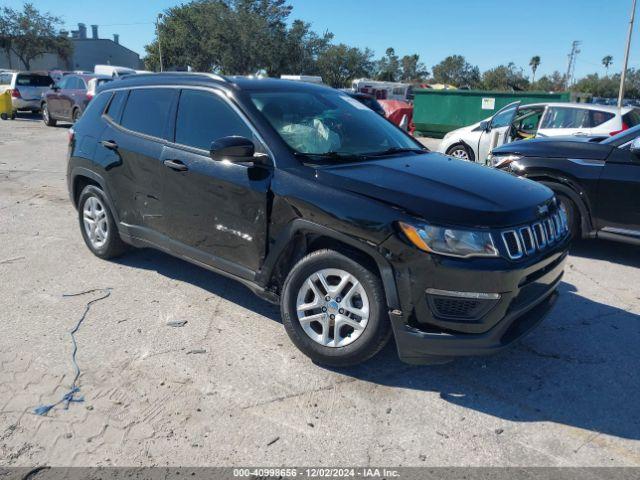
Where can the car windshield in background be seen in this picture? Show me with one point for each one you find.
(28, 80)
(330, 124)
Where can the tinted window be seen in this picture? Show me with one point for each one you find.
(96, 107)
(147, 110)
(63, 83)
(203, 117)
(598, 117)
(563, 117)
(115, 107)
(29, 80)
(632, 118)
(5, 78)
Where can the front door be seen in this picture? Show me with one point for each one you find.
(498, 131)
(216, 211)
(618, 202)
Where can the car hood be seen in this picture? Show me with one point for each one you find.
(442, 190)
(558, 147)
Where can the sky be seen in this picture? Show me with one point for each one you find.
(487, 32)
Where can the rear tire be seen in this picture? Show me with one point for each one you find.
(461, 152)
(46, 116)
(352, 322)
(97, 224)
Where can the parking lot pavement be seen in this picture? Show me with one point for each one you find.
(228, 388)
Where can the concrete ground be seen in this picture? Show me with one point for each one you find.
(229, 388)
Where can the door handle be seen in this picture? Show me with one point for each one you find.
(176, 165)
(110, 144)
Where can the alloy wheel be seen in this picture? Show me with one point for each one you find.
(460, 153)
(96, 224)
(332, 307)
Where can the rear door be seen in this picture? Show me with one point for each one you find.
(560, 120)
(618, 202)
(66, 97)
(217, 211)
(498, 132)
(134, 138)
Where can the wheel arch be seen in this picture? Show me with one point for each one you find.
(470, 151)
(586, 225)
(302, 237)
(80, 178)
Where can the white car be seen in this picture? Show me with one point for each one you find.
(516, 122)
(26, 88)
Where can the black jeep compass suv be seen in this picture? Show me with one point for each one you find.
(314, 201)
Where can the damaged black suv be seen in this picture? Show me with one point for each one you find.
(318, 203)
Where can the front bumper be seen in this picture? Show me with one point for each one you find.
(527, 293)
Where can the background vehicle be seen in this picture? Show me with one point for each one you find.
(368, 100)
(113, 71)
(536, 120)
(26, 89)
(383, 90)
(312, 200)
(598, 182)
(67, 99)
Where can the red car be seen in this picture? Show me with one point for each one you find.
(68, 98)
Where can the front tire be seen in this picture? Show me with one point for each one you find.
(334, 310)
(573, 215)
(75, 115)
(461, 151)
(46, 116)
(97, 224)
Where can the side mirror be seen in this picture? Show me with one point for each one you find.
(233, 149)
(635, 146)
(485, 125)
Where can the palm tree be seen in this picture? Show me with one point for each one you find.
(607, 61)
(533, 63)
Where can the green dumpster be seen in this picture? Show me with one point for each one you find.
(436, 112)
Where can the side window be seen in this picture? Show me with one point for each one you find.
(96, 106)
(63, 83)
(598, 117)
(147, 110)
(631, 118)
(115, 107)
(504, 118)
(203, 117)
(562, 117)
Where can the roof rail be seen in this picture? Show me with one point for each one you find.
(213, 76)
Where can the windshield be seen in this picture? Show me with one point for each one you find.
(330, 123)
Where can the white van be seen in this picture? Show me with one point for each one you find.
(113, 70)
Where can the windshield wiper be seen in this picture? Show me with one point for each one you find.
(392, 150)
(331, 155)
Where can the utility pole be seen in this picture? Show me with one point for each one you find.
(572, 62)
(159, 43)
(623, 77)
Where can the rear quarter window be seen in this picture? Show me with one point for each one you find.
(147, 110)
(96, 106)
(598, 117)
(631, 118)
(115, 107)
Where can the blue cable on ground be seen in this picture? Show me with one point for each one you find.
(70, 396)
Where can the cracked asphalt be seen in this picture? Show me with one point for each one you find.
(228, 388)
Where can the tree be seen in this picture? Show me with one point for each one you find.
(413, 70)
(389, 67)
(505, 77)
(607, 61)
(455, 70)
(30, 33)
(340, 63)
(549, 83)
(534, 63)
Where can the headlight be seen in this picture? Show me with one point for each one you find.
(501, 161)
(448, 241)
